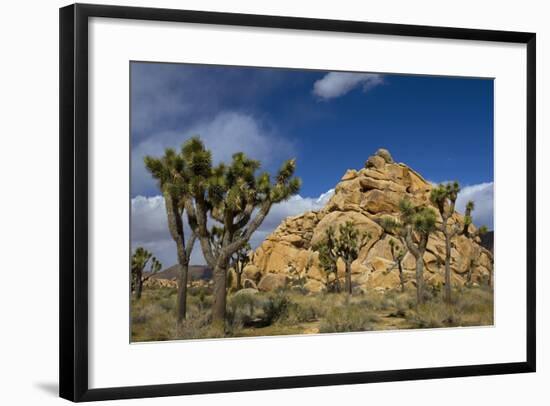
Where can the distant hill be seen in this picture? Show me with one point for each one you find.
(487, 240)
(196, 272)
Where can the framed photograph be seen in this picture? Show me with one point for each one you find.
(258, 202)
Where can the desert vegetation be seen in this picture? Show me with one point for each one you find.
(402, 226)
(290, 312)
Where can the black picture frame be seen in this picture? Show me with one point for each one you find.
(73, 280)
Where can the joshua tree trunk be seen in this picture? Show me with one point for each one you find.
(401, 277)
(218, 306)
(420, 279)
(181, 305)
(418, 252)
(239, 280)
(139, 285)
(447, 266)
(348, 277)
(175, 225)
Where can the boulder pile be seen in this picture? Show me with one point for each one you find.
(365, 196)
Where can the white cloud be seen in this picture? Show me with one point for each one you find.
(225, 134)
(149, 226)
(336, 84)
(482, 196)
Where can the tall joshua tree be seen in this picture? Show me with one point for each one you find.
(414, 228)
(398, 253)
(173, 180)
(346, 245)
(140, 259)
(444, 198)
(237, 198)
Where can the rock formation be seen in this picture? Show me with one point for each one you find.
(364, 197)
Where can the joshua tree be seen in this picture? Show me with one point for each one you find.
(240, 260)
(233, 196)
(444, 198)
(414, 228)
(327, 260)
(470, 206)
(472, 263)
(140, 259)
(347, 246)
(173, 180)
(398, 253)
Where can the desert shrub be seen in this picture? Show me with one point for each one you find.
(435, 314)
(476, 305)
(471, 306)
(376, 301)
(275, 307)
(405, 301)
(198, 326)
(168, 303)
(152, 323)
(353, 317)
(242, 308)
(303, 311)
(201, 298)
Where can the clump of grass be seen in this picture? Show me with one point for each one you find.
(168, 303)
(198, 326)
(433, 315)
(242, 309)
(471, 306)
(152, 323)
(351, 317)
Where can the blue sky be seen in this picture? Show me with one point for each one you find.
(329, 121)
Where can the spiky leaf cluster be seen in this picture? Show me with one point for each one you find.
(235, 187)
(140, 258)
(422, 219)
(444, 196)
(170, 172)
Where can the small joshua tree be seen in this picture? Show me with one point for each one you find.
(398, 253)
(414, 228)
(346, 246)
(140, 259)
(240, 260)
(327, 260)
